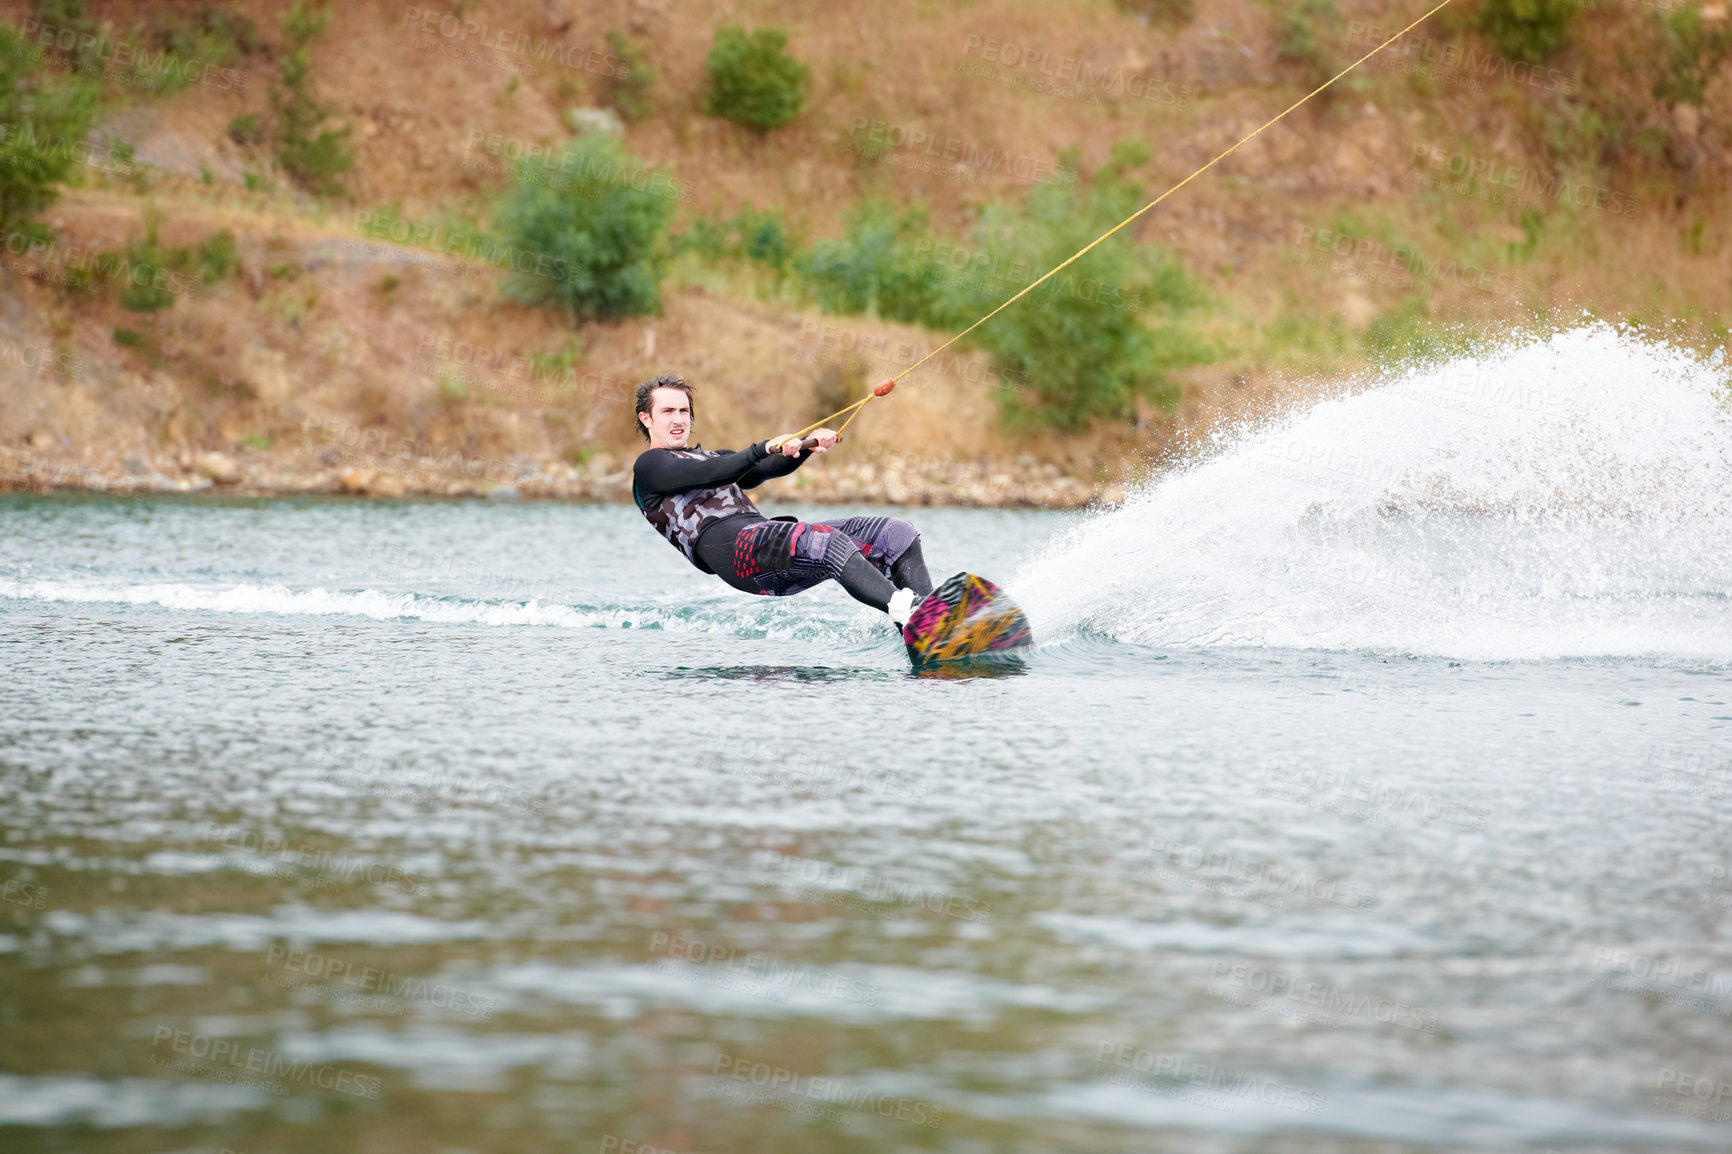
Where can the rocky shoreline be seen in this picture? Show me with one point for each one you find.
(888, 479)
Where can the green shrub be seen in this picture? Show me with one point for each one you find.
(556, 366)
(1407, 335)
(629, 87)
(63, 13)
(245, 130)
(1533, 223)
(452, 388)
(70, 15)
(1302, 30)
(176, 37)
(1693, 54)
(1081, 341)
(208, 33)
(762, 238)
(751, 234)
(1529, 30)
(319, 161)
(752, 81)
(880, 266)
(588, 239)
(145, 296)
(707, 237)
(150, 272)
(218, 256)
(202, 33)
(316, 161)
(42, 123)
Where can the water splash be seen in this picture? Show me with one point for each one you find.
(1558, 497)
(710, 616)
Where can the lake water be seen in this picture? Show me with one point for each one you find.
(1371, 790)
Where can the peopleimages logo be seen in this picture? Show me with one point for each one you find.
(470, 246)
(1359, 796)
(1369, 253)
(1694, 1095)
(136, 61)
(1259, 985)
(1645, 973)
(872, 138)
(996, 274)
(778, 976)
(1271, 877)
(1454, 57)
(1072, 75)
(40, 358)
(585, 174)
(274, 847)
(831, 1091)
(869, 892)
(1490, 179)
(100, 265)
(371, 980)
(511, 41)
(229, 1061)
(21, 146)
(23, 893)
(1229, 1084)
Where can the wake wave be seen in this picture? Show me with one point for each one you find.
(383, 606)
(1569, 496)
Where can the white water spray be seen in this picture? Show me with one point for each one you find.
(1561, 497)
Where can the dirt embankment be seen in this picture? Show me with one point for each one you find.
(407, 376)
(335, 362)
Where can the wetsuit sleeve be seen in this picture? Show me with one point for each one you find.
(776, 465)
(658, 472)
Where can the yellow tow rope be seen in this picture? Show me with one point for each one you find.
(883, 389)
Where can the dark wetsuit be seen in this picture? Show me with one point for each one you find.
(696, 499)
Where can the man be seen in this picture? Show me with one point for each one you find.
(696, 498)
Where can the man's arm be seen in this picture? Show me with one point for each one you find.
(658, 472)
(778, 465)
(782, 461)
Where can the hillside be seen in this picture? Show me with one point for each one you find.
(1445, 191)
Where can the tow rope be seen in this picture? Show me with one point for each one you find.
(883, 389)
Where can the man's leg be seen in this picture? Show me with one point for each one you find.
(909, 572)
(823, 553)
(892, 545)
(865, 584)
(781, 558)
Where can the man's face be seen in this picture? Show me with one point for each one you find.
(669, 420)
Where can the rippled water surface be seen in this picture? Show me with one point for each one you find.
(338, 826)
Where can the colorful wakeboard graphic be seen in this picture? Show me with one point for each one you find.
(964, 617)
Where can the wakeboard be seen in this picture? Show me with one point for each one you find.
(965, 617)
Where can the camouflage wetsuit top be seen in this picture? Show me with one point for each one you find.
(682, 491)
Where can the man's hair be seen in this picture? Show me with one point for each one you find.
(646, 391)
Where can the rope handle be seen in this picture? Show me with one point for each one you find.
(808, 443)
(884, 388)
